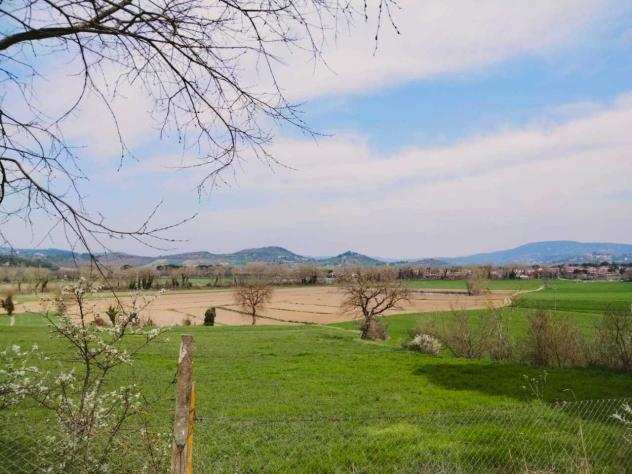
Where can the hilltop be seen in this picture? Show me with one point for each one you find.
(542, 253)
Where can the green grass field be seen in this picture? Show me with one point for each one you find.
(318, 399)
(579, 296)
(460, 284)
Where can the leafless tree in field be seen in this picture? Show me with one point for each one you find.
(252, 297)
(195, 60)
(372, 292)
(476, 282)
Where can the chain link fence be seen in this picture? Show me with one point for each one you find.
(573, 437)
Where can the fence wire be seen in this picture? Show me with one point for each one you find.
(566, 438)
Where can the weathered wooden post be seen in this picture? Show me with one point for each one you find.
(182, 446)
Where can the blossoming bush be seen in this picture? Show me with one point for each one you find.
(91, 413)
(425, 344)
(625, 417)
(18, 377)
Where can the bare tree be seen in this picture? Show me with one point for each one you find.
(252, 296)
(195, 60)
(372, 292)
(476, 283)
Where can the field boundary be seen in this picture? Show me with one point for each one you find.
(509, 299)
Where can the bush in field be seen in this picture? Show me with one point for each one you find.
(98, 321)
(424, 343)
(143, 280)
(476, 283)
(624, 416)
(554, 341)
(7, 303)
(613, 342)
(500, 346)
(471, 336)
(209, 317)
(112, 313)
(461, 334)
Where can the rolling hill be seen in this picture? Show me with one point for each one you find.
(551, 252)
(543, 253)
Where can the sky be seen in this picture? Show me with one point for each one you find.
(482, 126)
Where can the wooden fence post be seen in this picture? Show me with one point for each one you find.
(182, 446)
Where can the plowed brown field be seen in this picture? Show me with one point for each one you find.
(320, 305)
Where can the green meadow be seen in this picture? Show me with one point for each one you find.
(318, 399)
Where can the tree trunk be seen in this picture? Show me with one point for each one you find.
(365, 328)
(254, 318)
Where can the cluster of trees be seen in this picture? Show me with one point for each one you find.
(39, 280)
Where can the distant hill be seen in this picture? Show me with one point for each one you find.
(551, 252)
(14, 261)
(267, 254)
(425, 262)
(543, 253)
(350, 258)
(49, 256)
(278, 255)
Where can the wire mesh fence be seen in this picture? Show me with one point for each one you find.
(572, 437)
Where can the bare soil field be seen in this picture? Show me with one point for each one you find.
(315, 305)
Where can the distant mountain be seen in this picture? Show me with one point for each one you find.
(350, 258)
(267, 254)
(14, 261)
(51, 256)
(543, 253)
(242, 257)
(425, 262)
(550, 253)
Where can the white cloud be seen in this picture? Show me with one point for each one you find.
(540, 182)
(439, 37)
(546, 181)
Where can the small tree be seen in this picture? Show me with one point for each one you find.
(7, 303)
(475, 282)
(112, 313)
(370, 293)
(209, 317)
(91, 411)
(252, 296)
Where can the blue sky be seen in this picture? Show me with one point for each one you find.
(485, 125)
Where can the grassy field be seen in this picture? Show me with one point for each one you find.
(460, 284)
(317, 399)
(579, 296)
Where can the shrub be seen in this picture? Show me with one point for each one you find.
(133, 318)
(476, 284)
(186, 321)
(471, 336)
(209, 317)
(499, 343)
(98, 321)
(112, 313)
(625, 418)
(554, 341)
(461, 335)
(424, 343)
(7, 303)
(613, 342)
(149, 323)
